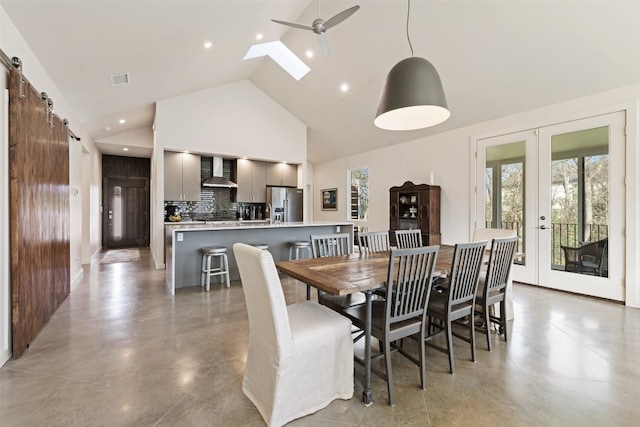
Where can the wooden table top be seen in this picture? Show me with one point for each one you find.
(347, 274)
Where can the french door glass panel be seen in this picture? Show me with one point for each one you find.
(563, 191)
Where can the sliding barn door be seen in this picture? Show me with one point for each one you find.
(39, 211)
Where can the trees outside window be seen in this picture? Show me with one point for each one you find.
(359, 196)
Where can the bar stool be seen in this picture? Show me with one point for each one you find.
(296, 249)
(207, 270)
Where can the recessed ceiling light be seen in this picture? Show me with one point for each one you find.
(259, 36)
(107, 129)
(125, 149)
(122, 121)
(344, 87)
(309, 53)
(207, 45)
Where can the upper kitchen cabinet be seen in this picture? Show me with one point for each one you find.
(181, 176)
(251, 180)
(282, 174)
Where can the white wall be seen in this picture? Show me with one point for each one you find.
(448, 156)
(91, 200)
(233, 120)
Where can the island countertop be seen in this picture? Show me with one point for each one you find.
(184, 240)
(234, 225)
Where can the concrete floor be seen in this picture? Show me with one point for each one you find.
(120, 351)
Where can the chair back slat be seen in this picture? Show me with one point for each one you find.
(500, 262)
(330, 245)
(373, 241)
(408, 238)
(465, 271)
(409, 282)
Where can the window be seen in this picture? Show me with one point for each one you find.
(359, 194)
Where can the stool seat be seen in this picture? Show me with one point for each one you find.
(207, 269)
(214, 250)
(262, 246)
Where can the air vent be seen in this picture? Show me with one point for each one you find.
(120, 79)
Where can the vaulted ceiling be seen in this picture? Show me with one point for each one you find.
(495, 58)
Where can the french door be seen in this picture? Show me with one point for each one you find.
(561, 187)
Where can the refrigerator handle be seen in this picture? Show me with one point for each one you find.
(286, 209)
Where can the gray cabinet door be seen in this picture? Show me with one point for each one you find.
(259, 182)
(289, 175)
(172, 176)
(251, 181)
(274, 174)
(282, 174)
(244, 180)
(181, 176)
(191, 180)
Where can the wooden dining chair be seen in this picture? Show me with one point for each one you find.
(455, 299)
(299, 357)
(373, 241)
(489, 234)
(327, 245)
(408, 238)
(403, 314)
(492, 287)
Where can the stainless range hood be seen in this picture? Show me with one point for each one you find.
(218, 180)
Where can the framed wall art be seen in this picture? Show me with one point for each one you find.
(329, 199)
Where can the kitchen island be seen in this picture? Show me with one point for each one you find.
(183, 242)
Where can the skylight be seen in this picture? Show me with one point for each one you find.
(281, 55)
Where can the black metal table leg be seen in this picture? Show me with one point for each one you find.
(366, 387)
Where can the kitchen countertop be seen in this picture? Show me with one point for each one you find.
(230, 225)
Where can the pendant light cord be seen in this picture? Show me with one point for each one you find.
(408, 13)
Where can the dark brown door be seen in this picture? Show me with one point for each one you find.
(126, 213)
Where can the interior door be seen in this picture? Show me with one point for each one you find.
(127, 213)
(561, 187)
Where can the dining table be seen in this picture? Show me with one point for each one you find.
(356, 272)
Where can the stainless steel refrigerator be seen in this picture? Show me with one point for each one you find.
(284, 204)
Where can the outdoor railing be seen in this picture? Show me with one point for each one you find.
(563, 234)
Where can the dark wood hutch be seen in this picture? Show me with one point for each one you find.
(415, 206)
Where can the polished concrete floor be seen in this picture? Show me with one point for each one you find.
(120, 351)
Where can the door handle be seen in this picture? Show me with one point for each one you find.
(543, 227)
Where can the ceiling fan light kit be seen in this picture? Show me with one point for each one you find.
(412, 96)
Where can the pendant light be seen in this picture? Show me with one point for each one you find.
(412, 96)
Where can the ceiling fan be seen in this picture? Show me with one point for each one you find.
(320, 26)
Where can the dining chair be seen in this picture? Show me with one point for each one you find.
(373, 241)
(455, 299)
(492, 286)
(489, 234)
(403, 314)
(408, 238)
(325, 245)
(300, 357)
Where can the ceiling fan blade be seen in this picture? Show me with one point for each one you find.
(324, 45)
(293, 24)
(336, 19)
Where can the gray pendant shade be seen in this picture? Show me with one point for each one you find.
(412, 97)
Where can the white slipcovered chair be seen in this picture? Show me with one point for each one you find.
(489, 234)
(300, 357)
